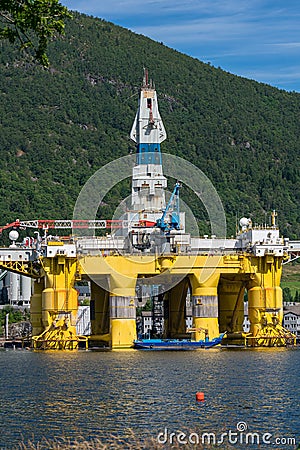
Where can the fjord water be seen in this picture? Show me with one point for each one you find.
(96, 394)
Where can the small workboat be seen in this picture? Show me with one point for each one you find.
(176, 344)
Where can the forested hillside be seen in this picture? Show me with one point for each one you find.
(58, 126)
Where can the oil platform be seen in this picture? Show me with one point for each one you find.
(149, 248)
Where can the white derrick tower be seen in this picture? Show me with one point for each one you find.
(148, 131)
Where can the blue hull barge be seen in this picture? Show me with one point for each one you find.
(176, 344)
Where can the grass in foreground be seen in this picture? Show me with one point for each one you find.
(112, 443)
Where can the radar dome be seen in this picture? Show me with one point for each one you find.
(13, 235)
(244, 222)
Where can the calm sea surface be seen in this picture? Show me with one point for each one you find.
(95, 394)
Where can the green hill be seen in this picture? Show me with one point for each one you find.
(58, 126)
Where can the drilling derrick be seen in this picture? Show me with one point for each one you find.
(148, 182)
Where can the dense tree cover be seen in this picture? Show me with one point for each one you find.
(14, 316)
(32, 23)
(289, 297)
(57, 127)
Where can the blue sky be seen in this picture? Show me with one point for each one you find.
(257, 39)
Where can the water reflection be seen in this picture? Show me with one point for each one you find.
(94, 394)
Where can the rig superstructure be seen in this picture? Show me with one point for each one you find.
(148, 246)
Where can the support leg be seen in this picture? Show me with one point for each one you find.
(265, 304)
(122, 302)
(205, 307)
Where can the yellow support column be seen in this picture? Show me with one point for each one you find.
(205, 306)
(265, 303)
(59, 305)
(122, 311)
(59, 296)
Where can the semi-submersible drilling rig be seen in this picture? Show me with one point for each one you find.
(149, 248)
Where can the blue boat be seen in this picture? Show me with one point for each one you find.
(176, 344)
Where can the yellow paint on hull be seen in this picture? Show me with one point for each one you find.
(123, 333)
(55, 306)
(210, 324)
(216, 283)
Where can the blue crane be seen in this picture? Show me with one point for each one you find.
(174, 223)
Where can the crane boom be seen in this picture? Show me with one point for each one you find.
(174, 223)
(64, 224)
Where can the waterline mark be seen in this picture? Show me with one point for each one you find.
(240, 436)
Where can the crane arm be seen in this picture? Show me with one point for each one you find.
(175, 216)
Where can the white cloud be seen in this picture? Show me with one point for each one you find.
(287, 45)
(283, 78)
(161, 7)
(167, 9)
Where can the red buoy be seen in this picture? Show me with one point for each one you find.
(200, 396)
